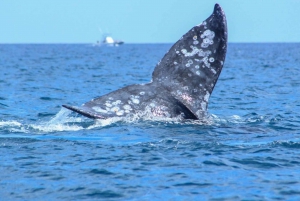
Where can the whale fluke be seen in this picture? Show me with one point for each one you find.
(182, 81)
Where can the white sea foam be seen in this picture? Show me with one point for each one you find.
(9, 123)
(62, 121)
(65, 120)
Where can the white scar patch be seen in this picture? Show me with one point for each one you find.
(206, 97)
(187, 98)
(207, 37)
(99, 109)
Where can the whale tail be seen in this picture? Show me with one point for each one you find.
(192, 66)
(182, 81)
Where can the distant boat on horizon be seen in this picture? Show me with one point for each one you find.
(109, 41)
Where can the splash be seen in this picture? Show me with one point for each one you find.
(66, 120)
(9, 123)
(62, 121)
(12, 126)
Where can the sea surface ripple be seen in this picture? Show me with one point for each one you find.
(248, 147)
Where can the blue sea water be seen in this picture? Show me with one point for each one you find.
(248, 148)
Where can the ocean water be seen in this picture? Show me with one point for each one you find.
(248, 148)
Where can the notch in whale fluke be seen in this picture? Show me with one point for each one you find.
(182, 81)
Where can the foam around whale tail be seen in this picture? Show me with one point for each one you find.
(190, 69)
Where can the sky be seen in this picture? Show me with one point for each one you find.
(144, 21)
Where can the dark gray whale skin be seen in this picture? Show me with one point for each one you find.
(182, 81)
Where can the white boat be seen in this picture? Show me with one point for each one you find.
(109, 41)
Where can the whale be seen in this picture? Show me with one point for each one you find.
(182, 81)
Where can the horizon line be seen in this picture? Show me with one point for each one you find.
(133, 43)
